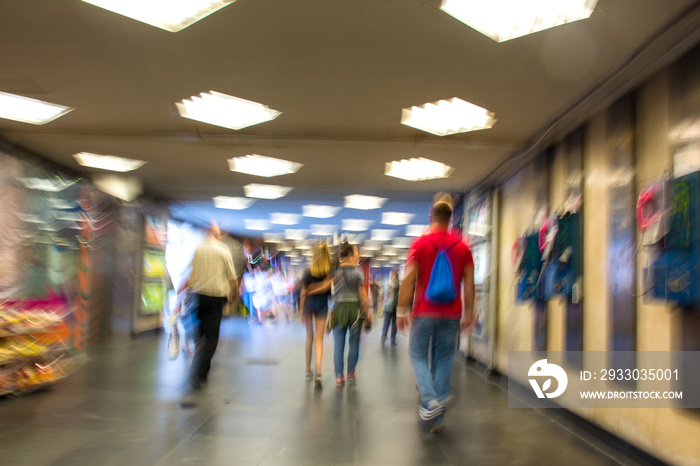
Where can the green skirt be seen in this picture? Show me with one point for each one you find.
(346, 315)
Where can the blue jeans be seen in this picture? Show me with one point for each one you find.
(339, 334)
(432, 347)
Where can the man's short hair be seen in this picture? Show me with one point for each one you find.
(441, 209)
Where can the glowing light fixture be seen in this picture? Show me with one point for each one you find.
(417, 169)
(323, 230)
(402, 243)
(446, 117)
(107, 162)
(503, 20)
(260, 225)
(396, 218)
(383, 235)
(354, 224)
(26, 110)
(273, 238)
(358, 201)
(415, 230)
(296, 235)
(320, 211)
(260, 165)
(284, 219)
(171, 15)
(265, 191)
(225, 110)
(373, 246)
(43, 184)
(232, 203)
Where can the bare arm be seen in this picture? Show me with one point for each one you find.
(322, 287)
(363, 302)
(408, 287)
(468, 298)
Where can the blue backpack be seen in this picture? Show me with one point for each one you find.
(441, 286)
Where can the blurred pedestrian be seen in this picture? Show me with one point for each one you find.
(436, 322)
(391, 301)
(315, 292)
(350, 311)
(374, 291)
(213, 282)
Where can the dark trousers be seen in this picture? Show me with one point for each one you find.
(209, 312)
(389, 319)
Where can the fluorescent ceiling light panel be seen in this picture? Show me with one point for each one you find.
(383, 235)
(225, 110)
(284, 219)
(265, 191)
(354, 224)
(417, 170)
(260, 165)
(273, 238)
(26, 110)
(355, 239)
(396, 218)
(503, 20)
(402, 243)
(232, 203)
(303, 245)
(320, 211)
(415, 230)
(364, 252)
(296, 235)
(358, 201)
(107, 162)
(171, 15)
(446, 117)
(323, 230)
(307, 253)
(260, 225)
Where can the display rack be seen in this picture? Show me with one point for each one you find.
(33, 349)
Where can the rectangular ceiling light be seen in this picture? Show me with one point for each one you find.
(296, 235)
(503, 20)
(446, 117)
(355, 238)
(273, 238)
(396, 218)
(372, 246)
(265, 191)
(402, 243)
(225, 110)
(415, 230)
(358, 201)
(171, 15)
(107, 162)
(260, 165)
(260, 225)
(418, 169)
(26, 110)
(383, 235)
(320, 211)
(354, 224)
(323, 230)
(284, 219)
(232, 203)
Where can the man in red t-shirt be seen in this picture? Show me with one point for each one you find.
(435, 326)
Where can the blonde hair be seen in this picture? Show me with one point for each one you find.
(320, 261)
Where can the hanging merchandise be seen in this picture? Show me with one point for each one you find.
(563, 269)
(530, 269)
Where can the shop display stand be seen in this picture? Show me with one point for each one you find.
(33, 349)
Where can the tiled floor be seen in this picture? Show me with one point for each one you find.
(129, 405)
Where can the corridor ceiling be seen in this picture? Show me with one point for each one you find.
(340, 71)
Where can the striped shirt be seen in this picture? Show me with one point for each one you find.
(212, 269)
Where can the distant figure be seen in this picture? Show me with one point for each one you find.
(315, 292)
(247, 292)
(374, 290)
(435, 325)
(391, 301)
(213, 281)
(350, 310)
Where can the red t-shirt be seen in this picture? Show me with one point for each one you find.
(423, 251)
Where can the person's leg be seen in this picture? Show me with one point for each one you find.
(339, 349)
(320, 328)
(392, 318)
(308, 349)
(418, 347)
(385, 327)
(209, 312)
(445, 345)
(354, 349)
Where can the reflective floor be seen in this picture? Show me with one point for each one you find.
(129, 405)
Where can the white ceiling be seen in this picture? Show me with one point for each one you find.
(340, 71)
